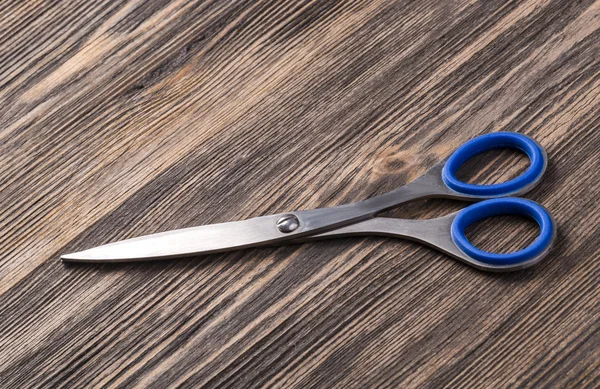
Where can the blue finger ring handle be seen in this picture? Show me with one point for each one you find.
(496, 140)
(503, 206)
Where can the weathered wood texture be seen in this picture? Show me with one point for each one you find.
(122, 118)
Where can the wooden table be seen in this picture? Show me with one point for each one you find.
(123, 118)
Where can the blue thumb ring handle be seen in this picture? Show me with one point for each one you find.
(496, 140)
(503, 206)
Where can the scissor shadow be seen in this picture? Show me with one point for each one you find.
(317, 253)
(193, 261)
(421, 209)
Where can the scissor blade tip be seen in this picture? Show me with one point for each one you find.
(81, 256)
(95, 255)
(71, 257)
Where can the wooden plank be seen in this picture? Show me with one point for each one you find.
(122, 118)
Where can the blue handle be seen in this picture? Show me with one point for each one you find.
(503, 206)
(497, 140)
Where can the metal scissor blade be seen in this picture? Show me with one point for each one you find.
(189, 241)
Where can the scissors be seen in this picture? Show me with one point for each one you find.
(446, 234)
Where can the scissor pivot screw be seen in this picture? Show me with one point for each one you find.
(288, 223)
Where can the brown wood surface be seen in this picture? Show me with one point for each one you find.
(122, 118)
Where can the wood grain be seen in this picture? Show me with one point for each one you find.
(122, 118)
